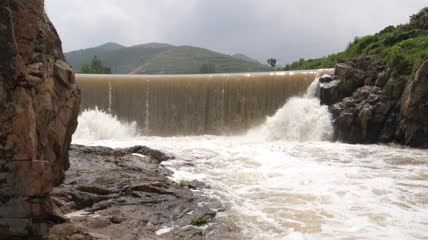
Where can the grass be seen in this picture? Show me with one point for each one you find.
(200, 221)
(404, 48)
(182, 183)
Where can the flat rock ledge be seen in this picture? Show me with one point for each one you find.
(127, 194)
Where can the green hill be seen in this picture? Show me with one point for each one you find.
(180, 60)
(161, 58)
(80, 57)
(403, 47)
(244, 57)
(119, 58)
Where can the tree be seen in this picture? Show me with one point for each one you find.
(272, 62)
(420, 20)
(95, 67)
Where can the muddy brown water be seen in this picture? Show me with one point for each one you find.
(170, 105)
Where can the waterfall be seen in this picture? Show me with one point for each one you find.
(147, 114)
(110, 97)
(212, 104)
(300, 119)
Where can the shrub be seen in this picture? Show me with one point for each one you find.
(182, 184)
(200, 221)
(404, 48)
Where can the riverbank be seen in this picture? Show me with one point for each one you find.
(127, 194)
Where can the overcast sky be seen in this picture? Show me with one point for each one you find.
(285, 29)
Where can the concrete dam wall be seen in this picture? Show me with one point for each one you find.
(171, 105)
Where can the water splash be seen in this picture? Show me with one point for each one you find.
(313, 89)
(95, 124)
(300, 119)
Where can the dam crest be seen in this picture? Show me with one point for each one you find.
(214, 104)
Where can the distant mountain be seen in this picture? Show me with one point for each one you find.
(186, 59)
(244, 58)
(154, 45)
(109, 46)
(119, 58)
(161, 58)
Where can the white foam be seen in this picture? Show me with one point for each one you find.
(164, 230)
(95, 124)
(297, 187)
(305, 190)
(79, 213)
(300, 119)
(321, 190)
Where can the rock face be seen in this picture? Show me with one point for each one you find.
(126, 194)
(370, 104)
(414, 110)
(39, 104)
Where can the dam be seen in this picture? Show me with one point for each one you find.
(215, 104)
(281, 180)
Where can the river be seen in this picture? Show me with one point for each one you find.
(285, 180)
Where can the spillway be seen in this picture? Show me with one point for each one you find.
(170, 105)
(282, 180)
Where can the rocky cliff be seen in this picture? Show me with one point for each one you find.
(371, 103)
(39, 104)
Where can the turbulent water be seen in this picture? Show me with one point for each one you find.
(171, 105)
(284, 180)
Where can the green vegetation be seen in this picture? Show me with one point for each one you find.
(419, 20)
(95, 67)
(184, 60)
(182, 184)
(159, 58)
(119, 58)
(200, 221)
(403, 47)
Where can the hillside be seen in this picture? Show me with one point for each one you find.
(403, 47)
(244, 57)
(379, 91)
(180, 60)
(119, 58)
(161, 58)
(77, 58)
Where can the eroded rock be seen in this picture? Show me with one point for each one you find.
(369, 104)
(414, 110)
(39, 104)
(127, 194)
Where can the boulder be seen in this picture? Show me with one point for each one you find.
(144, 203)
(94, 188)
(414, 110)
(329, 90)
(348, 78)
(73, 232)
(39, 105)
(371, 103)
(360, 118)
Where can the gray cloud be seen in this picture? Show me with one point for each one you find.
(285, 29)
